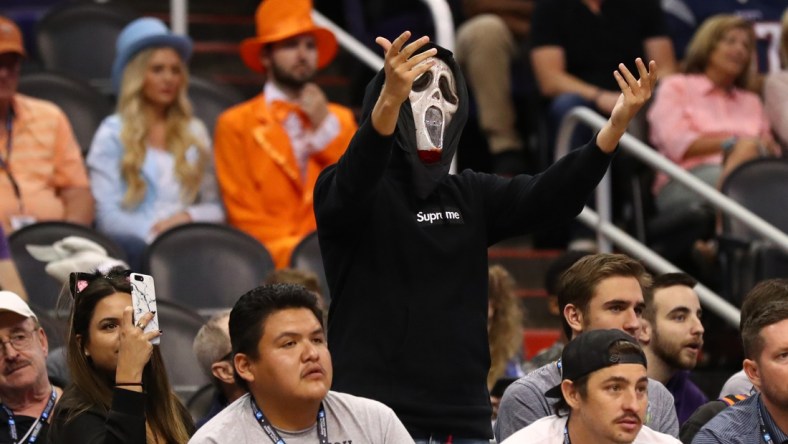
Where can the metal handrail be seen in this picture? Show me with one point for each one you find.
(444, 23)
(654, 261)
(649, 156)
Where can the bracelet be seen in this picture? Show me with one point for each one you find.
(128, 384)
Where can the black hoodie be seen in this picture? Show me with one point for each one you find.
(405, 253)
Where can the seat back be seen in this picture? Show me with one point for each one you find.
(761, 186)
(42, 289)
(84, 106)
(306, 256)
(79, 39)
(206, 266)
(210, 99)
(180, 326)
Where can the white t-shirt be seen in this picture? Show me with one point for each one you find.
(550, 430)
(348, 419)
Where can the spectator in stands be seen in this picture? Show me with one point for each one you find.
(270, 149)
(684, 17)
(9, 276)
(404, 243)
(280, 355)
(775, 92)
(673, 323)
(604, 392)
(150, 162)
(599, 291)
(504, 331)
(703, 119)
(492, 39)
(214, 353)
(42, 174)
(575, 42)
(119, 389)
(704, 414)
(27, 396)
(764, 330)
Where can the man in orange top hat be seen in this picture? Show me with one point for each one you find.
(270, 149)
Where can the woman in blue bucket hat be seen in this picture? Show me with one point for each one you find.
(150, 163)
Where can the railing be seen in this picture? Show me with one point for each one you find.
(602, 221)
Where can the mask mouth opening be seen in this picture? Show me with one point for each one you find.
(433, 123)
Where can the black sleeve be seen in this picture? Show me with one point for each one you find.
(545, 24)
(349, 185)
(125, 423)
(518, 205)
(654, 23)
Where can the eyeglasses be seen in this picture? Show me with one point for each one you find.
(19, 341)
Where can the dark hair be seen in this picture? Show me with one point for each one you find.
(664, 281)
(620, 348)
(295, 276)
(764, 305)
(90, 388)
(578, 284)
(247, 319)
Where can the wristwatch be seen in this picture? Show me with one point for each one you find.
(728, 144)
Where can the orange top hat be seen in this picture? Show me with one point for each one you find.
(281, 19)
(10, 37)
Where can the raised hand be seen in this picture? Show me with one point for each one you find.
(135, 348)
(401, 68)
(634, 94)
(314, 103)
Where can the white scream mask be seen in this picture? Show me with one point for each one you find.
(433, 100)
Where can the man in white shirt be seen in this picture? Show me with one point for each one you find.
(281, 356)
(602, 397)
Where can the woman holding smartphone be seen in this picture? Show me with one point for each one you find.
(119, 392)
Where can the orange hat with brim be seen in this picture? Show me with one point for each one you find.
(10, 37)
(281, 19)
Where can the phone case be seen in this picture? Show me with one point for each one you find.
(143, 297)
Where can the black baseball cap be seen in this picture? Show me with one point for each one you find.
(590, 352)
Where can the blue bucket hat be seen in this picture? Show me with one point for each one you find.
(141, 34)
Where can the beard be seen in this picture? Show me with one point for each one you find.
(290, 80)
(670, 353)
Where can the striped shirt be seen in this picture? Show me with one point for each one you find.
(741, 424)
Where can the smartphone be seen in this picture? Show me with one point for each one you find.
(143, 300)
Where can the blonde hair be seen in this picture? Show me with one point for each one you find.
(706, 39)
(135, 128)
(505, 327)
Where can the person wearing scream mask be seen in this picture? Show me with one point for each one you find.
(404, 244)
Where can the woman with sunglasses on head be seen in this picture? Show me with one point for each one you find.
(119, 392)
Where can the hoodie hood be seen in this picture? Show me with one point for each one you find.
(405, 159)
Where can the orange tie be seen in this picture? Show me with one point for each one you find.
(281, 109)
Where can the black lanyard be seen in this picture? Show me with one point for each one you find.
(35, 429)
(322, 429)
(6, 163)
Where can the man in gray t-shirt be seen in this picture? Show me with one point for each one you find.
(599, 291)
(280, 355)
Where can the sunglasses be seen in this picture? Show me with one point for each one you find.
(78, 281)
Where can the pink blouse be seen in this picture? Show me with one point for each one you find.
(688, 106)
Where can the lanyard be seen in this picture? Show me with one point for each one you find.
(767, 438)
(35, 429)
(6, 163)
(566, 433)
(322, 429)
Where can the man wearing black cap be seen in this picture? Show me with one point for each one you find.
(603, 395)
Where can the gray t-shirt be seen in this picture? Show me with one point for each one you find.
(524, 403)
(349, 419)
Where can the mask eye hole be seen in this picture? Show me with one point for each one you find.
(422, 82)
(443, 84)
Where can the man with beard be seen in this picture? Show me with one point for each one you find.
(602, 396)
(675, 331)
(763, 417)
(27, 397)
(404, 243)
(269, 150)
